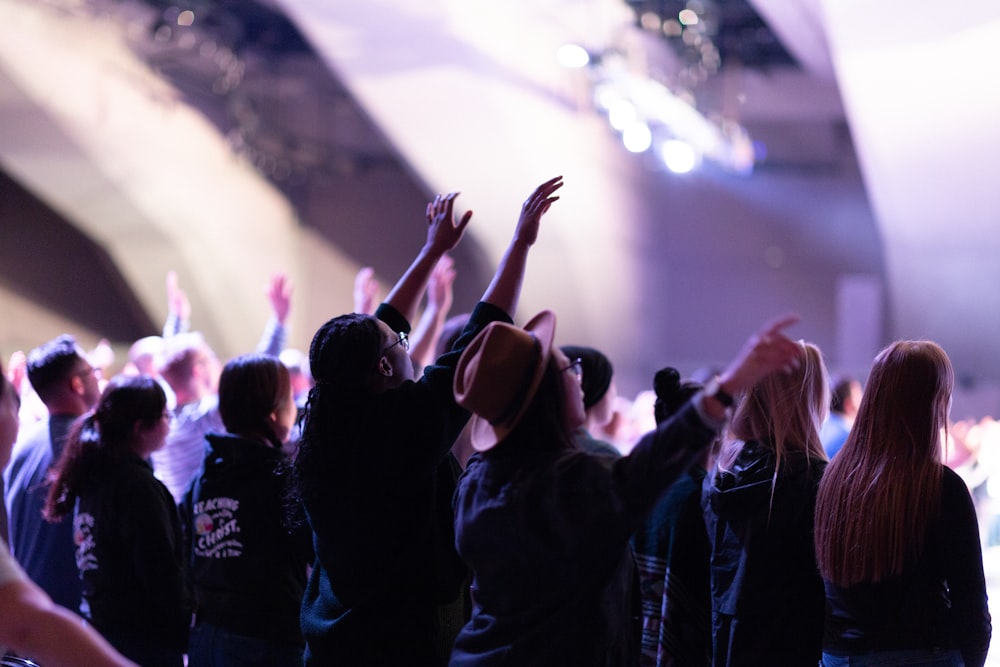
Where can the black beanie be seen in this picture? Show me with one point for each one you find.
(597, 372)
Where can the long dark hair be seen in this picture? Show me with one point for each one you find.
(251, 388)
(102, 437)
(343, 356)
(880, 492)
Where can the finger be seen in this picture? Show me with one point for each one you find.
(464, 221)
(776, 325)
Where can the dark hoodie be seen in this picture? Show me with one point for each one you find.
(767, 595)
(249, 571)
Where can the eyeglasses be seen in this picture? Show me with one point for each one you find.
(403, 340)
(575, 367)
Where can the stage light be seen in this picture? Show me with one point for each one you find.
(637, 137)
(679, 156)
(572, 56)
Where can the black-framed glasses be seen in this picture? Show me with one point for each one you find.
(403, 339)
(575, 367)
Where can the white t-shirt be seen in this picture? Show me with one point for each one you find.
(10, 572)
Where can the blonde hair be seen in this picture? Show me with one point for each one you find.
(783, 412)
(879, 493)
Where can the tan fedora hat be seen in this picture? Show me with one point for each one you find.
(499, 373)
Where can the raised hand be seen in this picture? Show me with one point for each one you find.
(177, 300)
(765, 352)
(439, 288)
(365, 290)
(534, 208)
(279, 293)
(443, 230)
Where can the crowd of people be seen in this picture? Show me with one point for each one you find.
(466, 492)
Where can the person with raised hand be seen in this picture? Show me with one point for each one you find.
(372, 470)
(545, 526)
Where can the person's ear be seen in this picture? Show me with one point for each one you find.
(384, 367)
(76, 385)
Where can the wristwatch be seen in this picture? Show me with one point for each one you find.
(714, 389)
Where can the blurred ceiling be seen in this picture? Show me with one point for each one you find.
(229, 139)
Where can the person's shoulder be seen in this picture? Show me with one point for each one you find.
(952, 482)
(33, 450)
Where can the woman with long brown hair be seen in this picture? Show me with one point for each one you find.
(767, 598)
(897, 540)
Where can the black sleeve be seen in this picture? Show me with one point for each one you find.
(964, 570)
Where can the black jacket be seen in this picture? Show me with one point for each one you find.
(248, 568)
(130, 554)
(767, 595)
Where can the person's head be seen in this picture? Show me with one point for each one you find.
(671, 393)
(10, 404)
(131, 415)
(62, 377)
(144, 355)
(352, 357)
(784, 410)
(190, 367)
(845, 396)
(905, 405)
(255, 399)
(129, 419)
(357, 354)
(599, 391)
(519, 387)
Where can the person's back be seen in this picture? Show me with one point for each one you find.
(918, 596)
(248, 569)
(671, 553)
(67, 384)
(127, 529)
(45, 550)
(767, 597)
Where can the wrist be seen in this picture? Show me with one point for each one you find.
(719, 390)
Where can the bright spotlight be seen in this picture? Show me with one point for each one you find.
(637, 137)
(572, 56)
(679, 156)
(621, 114)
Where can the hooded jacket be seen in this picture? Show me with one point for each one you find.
(248, 569)
(767, 595)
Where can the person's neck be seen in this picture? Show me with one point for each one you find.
(66, 407)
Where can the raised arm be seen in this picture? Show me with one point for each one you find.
(178, 308)
(504, 290)
(444, 232)
(365, 291)
(424, 339)
(279, 295)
